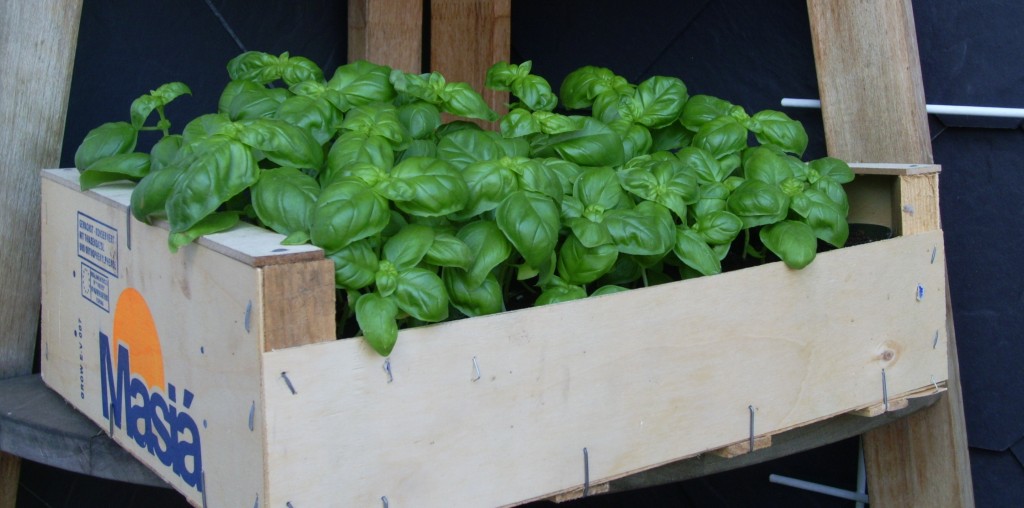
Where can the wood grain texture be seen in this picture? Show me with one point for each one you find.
(386, 32)
(298, 303)
(37, 54)
(467, 37)
(869, 78)
(641, 379)
(873, 104)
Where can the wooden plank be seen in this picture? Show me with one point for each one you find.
(869, 77)
(386, 32)
(298, 304)
(37, 45)
(664, 387)
(467, 37)
(36, 424)
(737, 449)
(889, 169)
(190, 323)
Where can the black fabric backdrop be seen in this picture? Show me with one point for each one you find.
(752, 53)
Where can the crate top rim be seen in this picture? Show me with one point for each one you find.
(893, 169)
(246, 243)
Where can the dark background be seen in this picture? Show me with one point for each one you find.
(751, 53)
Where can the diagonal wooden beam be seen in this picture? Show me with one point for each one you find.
(37, 53)
(869, 78)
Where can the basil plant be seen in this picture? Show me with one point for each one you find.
(602, 186)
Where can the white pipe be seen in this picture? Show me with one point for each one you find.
(862, 477)
(936, 109)
(819, 488)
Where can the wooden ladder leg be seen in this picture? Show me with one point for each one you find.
(386, 32)
(38, 53)
(869, 77)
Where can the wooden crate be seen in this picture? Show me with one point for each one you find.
(226, 351)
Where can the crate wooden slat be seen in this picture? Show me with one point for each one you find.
(640, 379)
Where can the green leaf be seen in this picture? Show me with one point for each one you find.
(283, 199)
(164, 152)
(347, 210)
(464, 147)
(832, 168)
(758, 203)
(535, 92)
(718, 227)
(296, 69)
(636, 139)
(721, 136)
(701, 109)
(582, 86)
(777, 128)
(460, 99)
(670, 138)
(355, 265)
(282, 143)
(359, 83)
(356, 147)
(519, 122)
(250, 101)
(825, 216)
(448, 250)
(149, 197)
(647, 230)
(702, 163)
(213, 223)
(206, 126)
(437, 187)
(111, 138)
(143, 106)
(376, 316)
(593, 144)
(578, 264)
(420, 119)
(473, 300)
(488, 183)
(694, 252)
(566, 172)
(422, 295)
(794, 242)
(657, 102)
(379, 119)
(256, 66)
(558, 294)
(406, 248)
(126, 166)
(489, 245)
(712, 198)
(222, 168)
(763, 164)
(316, 117)
(531, 222)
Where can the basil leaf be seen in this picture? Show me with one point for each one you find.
(763, 164)
(316, 117)
(656, 102)
(718, 227)
(560, 294)
(347, 210)
(535, 92)
(825, 216)
(376, 316)
(712, 198)
(353, 147)
(437, 187)
(355, 265)
(420, 119)
(283, 199)
(581, 86)
(758, 203)
(831, 168)
(566, 172)
(670, 138)
(111, 138)
(422, 295)
(359, 83)
(460, 99)
(406, 248)
(254, 66)
(125, 166)
(835, 192)
(593, 144)
(578, 264)
(297, 69)
(647, 230)
(473, 299)
(608, 290)
(464, 147)
(143, 106)
(213, 223)
(536, 176)
(636, 139)
(222, 168)
(777, 128)
(253, 101)
(591, 231)
(598, 189)
(206, 126)
(531, 222)
(164, 152)
(488, 182)
(721, 136)
(378, 119)
(694, 252)
(448, 250)
(701, 109)
(149, 197)
(702, 163)
(419, 148)
(794, 242)
(519, 122)
(282, 143)
(486, 240)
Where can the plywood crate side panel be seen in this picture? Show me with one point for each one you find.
(172, 338)
(639, 379)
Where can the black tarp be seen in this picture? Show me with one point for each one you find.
(752, 53)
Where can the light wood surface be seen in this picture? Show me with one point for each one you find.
(386, 32)
(640, 379)
(873, 104)
(467, 37)
(37, 53)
